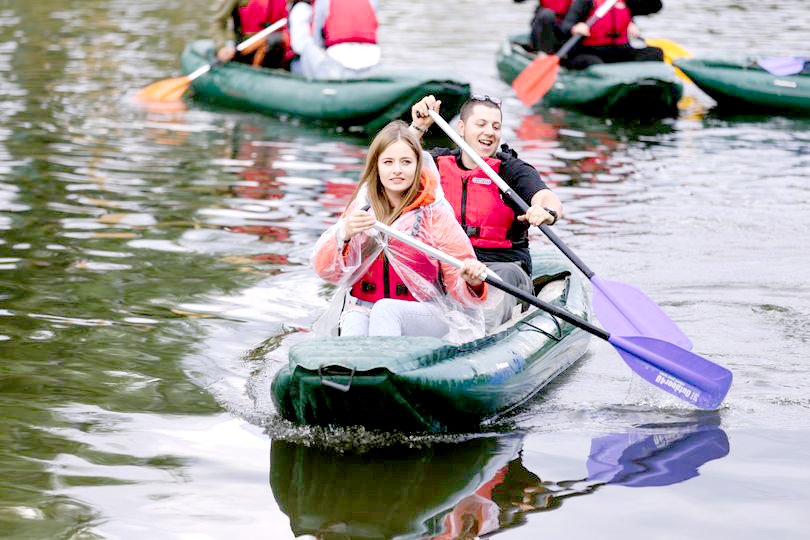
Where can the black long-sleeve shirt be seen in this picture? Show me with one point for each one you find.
(580, 9)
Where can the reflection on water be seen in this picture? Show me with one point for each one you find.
(470, 488)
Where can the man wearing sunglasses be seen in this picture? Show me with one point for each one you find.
(497, 228)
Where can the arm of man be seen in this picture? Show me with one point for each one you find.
(298, 23)
(420, 117)
(221, 32)
(577, 13)
(644, 7)
(319, 14)
(526, 181)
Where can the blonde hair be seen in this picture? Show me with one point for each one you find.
(390, 134)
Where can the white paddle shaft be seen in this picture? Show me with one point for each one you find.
(259, 35)
(421, 246)
(202, 70)
(461, 143)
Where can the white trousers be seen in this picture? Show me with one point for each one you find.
(390, 317)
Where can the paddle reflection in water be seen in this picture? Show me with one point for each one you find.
(470, 488)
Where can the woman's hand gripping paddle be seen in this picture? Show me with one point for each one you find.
(681, 373)
(173, 89)
(621, 308)
(538, 77)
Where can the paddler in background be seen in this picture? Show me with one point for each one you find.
(334, 39)
(545, 34)
(236, 20)
(608, 40)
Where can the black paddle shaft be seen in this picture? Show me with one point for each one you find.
(549, 308)
(551, 236)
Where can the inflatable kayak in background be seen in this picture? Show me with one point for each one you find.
(424, 384)
(740, 84)
(630, 90)
(366, 104)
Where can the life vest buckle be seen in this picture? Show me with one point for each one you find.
(367, 287)
(402, 290)
(472, 231)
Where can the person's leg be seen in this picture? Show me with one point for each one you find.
(581, 58)
(514, 275)
(354, 322)
(628, 53)
(544, 34)
(274, 57)
(391, 317)
(648, 54)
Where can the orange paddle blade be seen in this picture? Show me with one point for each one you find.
(165, 90)
(536, 79)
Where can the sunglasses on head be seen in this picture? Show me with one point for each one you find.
(483, 97)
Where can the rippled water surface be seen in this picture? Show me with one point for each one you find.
(153, 270)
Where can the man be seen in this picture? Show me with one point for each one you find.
(545, 33)
(608, 40)
(246, 17)
(334, 39)
(497, 228)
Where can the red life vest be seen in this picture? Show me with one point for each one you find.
(560, 7)
(349, 21)
(477, 202)
(258, 14)
(612, 28)
(382, 281)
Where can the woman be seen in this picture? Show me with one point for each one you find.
(389, 288)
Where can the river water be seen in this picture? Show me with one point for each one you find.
(151, 264)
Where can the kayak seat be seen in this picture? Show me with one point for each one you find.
(549, 288)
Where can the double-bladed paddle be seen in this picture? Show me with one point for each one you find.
(173, 89)
(672, 51)
(672, 369)
(783, 66)
(621, 308)
(538, 77)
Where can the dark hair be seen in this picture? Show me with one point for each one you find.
(486, 101)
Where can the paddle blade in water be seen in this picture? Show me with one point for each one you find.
(165, 90)
(536, 79)
(624, 310)
(782, 66)
(681, 373)
(672, 51)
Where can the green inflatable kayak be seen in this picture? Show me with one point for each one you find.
(632, 90)
(739, 84)
(426, 384)
(366, 104)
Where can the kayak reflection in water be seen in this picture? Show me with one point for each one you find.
(471, 488)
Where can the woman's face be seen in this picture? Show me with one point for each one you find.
(397, 169)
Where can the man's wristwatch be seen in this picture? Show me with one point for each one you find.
(553, 214)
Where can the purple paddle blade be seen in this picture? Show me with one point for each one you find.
(782, 66)
(626, 311)
(659, 459)
(683, 374)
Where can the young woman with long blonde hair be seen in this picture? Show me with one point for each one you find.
(386, 287)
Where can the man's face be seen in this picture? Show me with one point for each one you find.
(482, 130)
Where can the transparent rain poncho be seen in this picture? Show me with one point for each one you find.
(433, 222)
